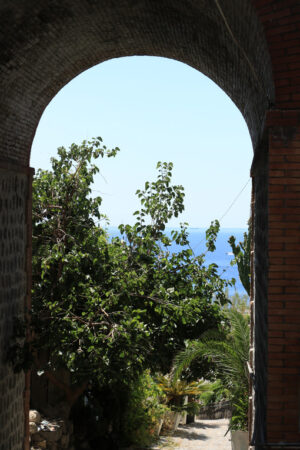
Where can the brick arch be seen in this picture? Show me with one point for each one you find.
(46, 44)
(250, 48)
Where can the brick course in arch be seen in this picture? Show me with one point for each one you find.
(251, 49)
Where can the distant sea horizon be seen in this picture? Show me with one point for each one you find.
(222, 256)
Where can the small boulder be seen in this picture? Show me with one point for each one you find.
(34, 416)
(33, 428)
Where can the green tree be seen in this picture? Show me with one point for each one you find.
(68, 267)
(240, 303)
(105, 310)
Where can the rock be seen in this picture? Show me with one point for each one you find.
(33, 428)
(51, 434)
(34, 416)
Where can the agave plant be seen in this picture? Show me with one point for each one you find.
(230, 355)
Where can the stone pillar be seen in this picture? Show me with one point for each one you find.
(259, 295)
(14, 195)
(283, 366)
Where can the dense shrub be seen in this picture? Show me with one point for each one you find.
(144, 411)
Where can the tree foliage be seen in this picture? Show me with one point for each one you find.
(242, 253)
(106, 309)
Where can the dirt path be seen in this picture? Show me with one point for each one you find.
(202, 434)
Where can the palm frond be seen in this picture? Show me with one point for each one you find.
(230, 354)
(184, 358)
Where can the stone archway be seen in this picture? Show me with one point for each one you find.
(47, 43)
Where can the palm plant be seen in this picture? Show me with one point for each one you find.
(230, 354)
(176, 390)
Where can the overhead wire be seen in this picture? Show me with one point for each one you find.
(228, 209)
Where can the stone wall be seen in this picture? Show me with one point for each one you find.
(13, 201)
(219, 410)
(50, 434)
(260, 292)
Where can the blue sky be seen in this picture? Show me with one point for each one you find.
(155, 109)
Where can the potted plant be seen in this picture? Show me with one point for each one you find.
(176, 392)
(239, 424)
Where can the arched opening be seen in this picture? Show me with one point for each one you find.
(177, 123)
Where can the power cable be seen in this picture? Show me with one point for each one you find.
(234, 201)
(228, 209)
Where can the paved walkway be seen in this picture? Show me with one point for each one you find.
(202, 434)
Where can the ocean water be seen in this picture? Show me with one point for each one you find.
(222, 256)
